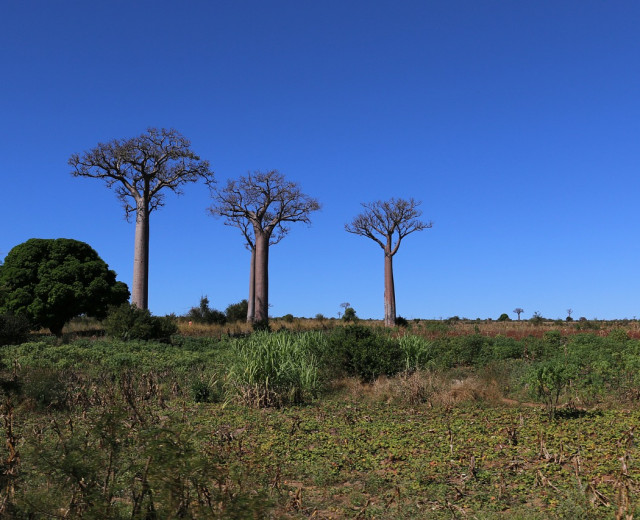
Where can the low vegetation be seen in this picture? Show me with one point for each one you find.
(431, 420)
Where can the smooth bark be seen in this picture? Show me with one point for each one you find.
(389, 292)
(262, 278)
(140, 285)
(252, 287)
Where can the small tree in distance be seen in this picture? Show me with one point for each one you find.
(384, 222)
(518, 311)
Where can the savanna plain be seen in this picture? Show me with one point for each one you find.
(324, 419)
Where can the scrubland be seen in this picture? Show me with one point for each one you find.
(325, 419)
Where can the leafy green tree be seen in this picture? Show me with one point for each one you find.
(349, 314)
(237, 311)
(504, 317)
(51, 281)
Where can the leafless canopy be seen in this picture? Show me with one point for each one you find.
(263, 203)
(140, 167)
(383, 220)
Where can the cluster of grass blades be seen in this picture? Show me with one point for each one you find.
(274, 369)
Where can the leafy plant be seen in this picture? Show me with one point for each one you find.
(237, 311)
(127, 322)
(349, 314)
(549, 379)
(365, 353)
(204, 314)
(504, 317)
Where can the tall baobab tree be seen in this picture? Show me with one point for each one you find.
(261, 205)
(518, 311)
(139, 169)
(384, 222)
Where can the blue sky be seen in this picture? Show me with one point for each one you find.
(515, 123)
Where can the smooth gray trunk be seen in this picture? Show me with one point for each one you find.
(140, 285)
(262, 278)
(252, 288)
(389, 292)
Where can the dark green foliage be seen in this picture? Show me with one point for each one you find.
(237, 311)
(204, 314)
(51, 281)
(261, 326)
(401, 322)
(365, 353)
(13, 329)
(349, 314)
(127, 322)
(504, 317)
(536, 319)
(288, 318)
(46, 387)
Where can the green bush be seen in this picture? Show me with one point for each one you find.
(127, 322)
(365, 353)
(204, 314)
(401, 322)
(13, 329)
(349, 314)
(288, 318)
(504, 317)
(237, 311)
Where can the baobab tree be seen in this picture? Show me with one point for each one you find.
(261, 205)
(141, 169)
(384, 222)
(518, 311)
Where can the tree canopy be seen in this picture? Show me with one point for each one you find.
(51, 281)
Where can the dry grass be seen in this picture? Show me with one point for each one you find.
(422, 386)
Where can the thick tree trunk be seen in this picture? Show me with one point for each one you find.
(140, 289)
(389, 292)
(252, 288)
(262, 279)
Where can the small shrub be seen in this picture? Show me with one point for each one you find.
(365, 353)
(536, 319)
(547, 380)
(401, 322)
(204, 314)
(261, 326)
(288, 318)
(504, 317)
(13, 329)
(349, 314)
(127, 322)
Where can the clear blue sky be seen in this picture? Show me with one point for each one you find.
(517, 125)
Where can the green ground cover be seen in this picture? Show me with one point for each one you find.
(109, 429)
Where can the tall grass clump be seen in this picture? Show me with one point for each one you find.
(274, 369)
(417, 352)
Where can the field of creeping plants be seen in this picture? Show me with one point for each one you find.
(349, 422)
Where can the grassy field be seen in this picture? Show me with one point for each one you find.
(472, 420)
